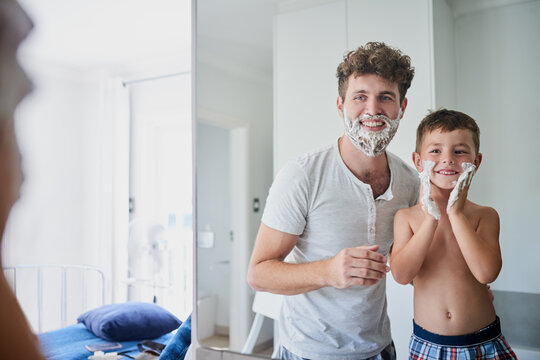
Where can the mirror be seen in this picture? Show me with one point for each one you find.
(265, 72)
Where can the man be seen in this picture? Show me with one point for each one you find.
(330, 212)
(16, 338)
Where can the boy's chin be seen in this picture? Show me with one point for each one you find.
(444, 185)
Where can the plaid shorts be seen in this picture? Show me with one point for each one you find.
(388, 353)
(487, 343)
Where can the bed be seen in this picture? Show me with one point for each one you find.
(70, 343)
(128, 323)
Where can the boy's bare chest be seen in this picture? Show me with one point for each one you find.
(444, 254)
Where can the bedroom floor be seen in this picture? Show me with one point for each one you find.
(222, 342)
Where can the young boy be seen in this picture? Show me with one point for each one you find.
(448, 247)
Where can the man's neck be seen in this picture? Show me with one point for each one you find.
(364, 167)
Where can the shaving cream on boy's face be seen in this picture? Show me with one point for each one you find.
(425, 178)
(372, 143)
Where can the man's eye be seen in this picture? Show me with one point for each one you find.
(387, 98)
(360, 97)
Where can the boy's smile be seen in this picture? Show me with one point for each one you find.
(448, 150)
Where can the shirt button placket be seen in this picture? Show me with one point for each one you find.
(371, 224)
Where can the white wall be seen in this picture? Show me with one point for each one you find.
(497, 57)
(444, 55)
(497, 84)
(309, 45)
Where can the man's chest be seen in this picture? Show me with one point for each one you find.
(378, 183)
(339, 220)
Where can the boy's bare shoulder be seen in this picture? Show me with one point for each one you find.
(482, 216)
(481, 211)
(410, 212)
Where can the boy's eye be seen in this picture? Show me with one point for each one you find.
(461, 152)
(434, 151)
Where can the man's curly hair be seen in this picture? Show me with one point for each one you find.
(380, 59)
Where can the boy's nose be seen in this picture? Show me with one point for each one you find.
(448, 160)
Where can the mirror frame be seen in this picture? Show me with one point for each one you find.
(198, 351)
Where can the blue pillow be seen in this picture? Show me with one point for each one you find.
(129, 321)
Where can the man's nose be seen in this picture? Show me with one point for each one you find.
(372, 107)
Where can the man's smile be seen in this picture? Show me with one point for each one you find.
(373, 125)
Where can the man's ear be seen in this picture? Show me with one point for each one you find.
(478, 160)
(339, 105)
(417, 162)
(403, 106)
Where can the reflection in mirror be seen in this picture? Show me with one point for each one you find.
(266, 92)
(233, 159)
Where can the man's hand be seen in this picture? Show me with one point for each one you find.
(428, 205)
(357, 266)
(458, 196)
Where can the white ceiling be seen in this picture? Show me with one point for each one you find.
(232, 34)
(93, 33)
(89, 34)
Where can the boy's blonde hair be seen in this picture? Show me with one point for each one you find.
(447, 120)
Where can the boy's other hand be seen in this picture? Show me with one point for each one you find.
(458, 196)
(357, 266)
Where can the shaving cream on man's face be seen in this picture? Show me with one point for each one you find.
(372, 143)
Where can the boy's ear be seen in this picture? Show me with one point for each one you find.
(478, 160)
(417, 162)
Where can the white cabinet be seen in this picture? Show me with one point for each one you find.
(309, 45)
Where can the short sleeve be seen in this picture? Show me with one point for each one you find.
(286, 207)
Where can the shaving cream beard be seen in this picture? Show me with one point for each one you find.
(371, 143)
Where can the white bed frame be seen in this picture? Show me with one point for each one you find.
(12, 274)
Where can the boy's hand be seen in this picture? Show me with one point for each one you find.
(428, 205)
(458, 196)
